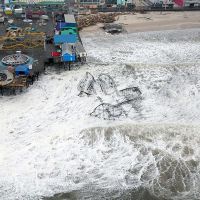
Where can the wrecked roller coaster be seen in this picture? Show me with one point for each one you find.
(107, 111)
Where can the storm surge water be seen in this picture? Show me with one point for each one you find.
(139, 162)
(52, 148)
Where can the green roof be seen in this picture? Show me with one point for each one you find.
(66, 32)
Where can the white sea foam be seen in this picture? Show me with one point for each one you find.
(44, 150)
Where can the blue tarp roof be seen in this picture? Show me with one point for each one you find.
(68, 38)
(22, 68)
(68, 58)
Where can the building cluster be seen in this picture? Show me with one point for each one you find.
(85, 6)
(68, 46)
(18, 70)
(137, 3)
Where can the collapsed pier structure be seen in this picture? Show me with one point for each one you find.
(26, 49)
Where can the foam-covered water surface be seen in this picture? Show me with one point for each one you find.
(51, 145)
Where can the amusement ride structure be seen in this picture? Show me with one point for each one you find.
(18, 38)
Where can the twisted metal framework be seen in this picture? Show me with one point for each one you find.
(130, 93)
(108, 111)
(86, 85)
(108, 86)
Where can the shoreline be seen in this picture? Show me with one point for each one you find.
(152, 21)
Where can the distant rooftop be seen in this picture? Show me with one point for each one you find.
(41, 2)
(69, 18)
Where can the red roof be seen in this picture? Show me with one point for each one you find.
(55, 54)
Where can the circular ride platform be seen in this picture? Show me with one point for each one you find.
(6, 77)
(15, 59)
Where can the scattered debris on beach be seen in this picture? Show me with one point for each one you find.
(89, 20)
(113, 28)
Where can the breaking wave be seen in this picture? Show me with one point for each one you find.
(139, 162)
(121, 162)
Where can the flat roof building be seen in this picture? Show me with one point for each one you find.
(69, 18)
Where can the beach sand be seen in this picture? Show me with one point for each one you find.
(154, 21)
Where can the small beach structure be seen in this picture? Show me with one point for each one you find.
(22, 70)
(67, 42)
(68, 55)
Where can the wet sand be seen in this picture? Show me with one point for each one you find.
(154, 21)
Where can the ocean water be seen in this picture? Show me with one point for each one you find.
(51, 146)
